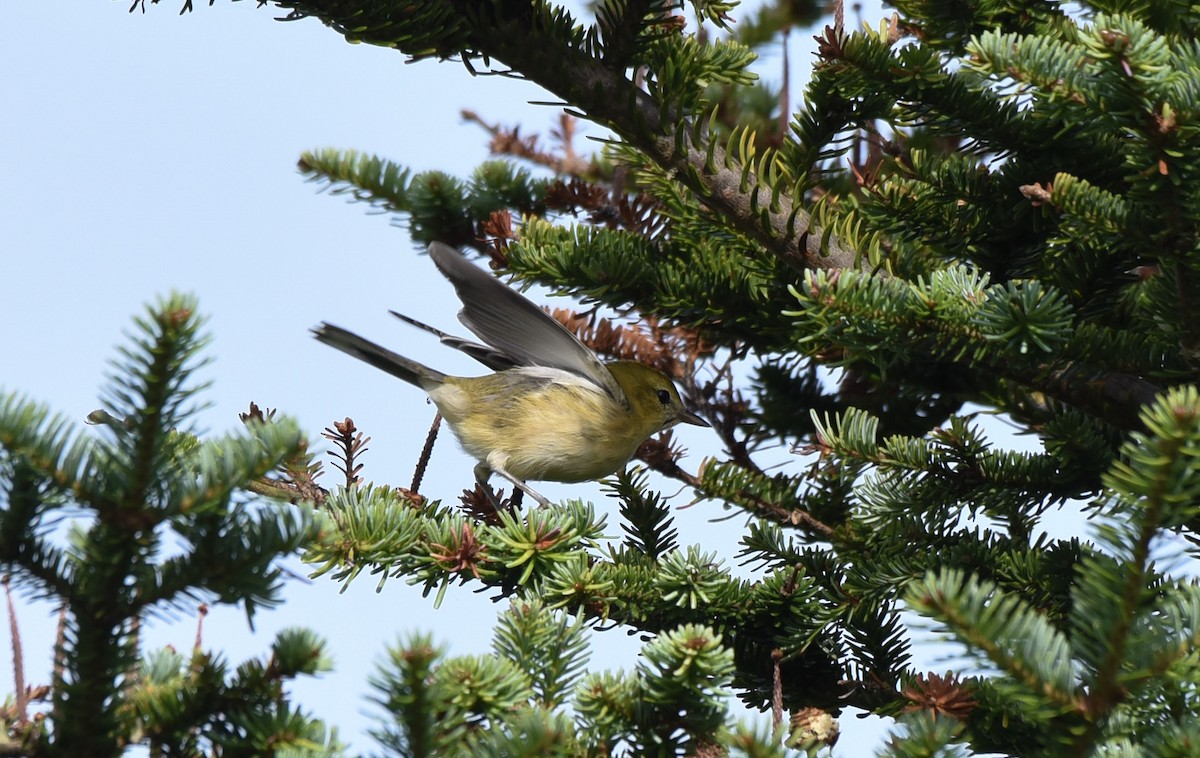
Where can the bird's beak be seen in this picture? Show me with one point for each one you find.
(688, 417)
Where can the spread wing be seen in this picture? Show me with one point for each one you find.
(516, 327)
(488, 356)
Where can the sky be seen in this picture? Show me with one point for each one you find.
(151, 152)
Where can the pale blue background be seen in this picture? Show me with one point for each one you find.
(150, 152)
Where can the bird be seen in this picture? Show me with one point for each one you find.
(551, 410)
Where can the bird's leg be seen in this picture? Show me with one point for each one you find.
(483, 470)
(482, 473)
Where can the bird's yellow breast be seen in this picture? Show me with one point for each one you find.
(539, 428)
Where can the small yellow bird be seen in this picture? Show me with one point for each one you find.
(552, 411)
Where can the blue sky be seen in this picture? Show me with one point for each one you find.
(146, 153)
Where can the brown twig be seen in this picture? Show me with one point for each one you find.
(351, 443)
(660, 454)
(426, 452)
(60, 641)
(18, 658)
(508, 141)
(611, 207)
(485, 506)
(201, 612)
(776, 689)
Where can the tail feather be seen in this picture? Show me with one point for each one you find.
(378, 356)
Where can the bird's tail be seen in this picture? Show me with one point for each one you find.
(379, 356)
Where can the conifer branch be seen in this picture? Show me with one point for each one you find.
(600, 89)
(139, 470)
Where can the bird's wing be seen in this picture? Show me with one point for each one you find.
(485, 354)
(508, 322)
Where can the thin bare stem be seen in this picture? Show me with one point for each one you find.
(426, 452)
(22, 696)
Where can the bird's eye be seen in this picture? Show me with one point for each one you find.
(664, 397)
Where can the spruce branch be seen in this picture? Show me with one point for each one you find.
(648, 526)
(1146, 486)
(138, 477)
(30, 494)
(295, 478)
(366, 178)
(1006, 631)
(768, 497)
(602, 91)
(961, 322)
(549, 646)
